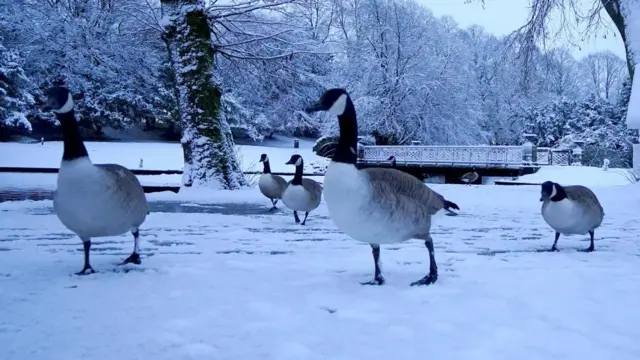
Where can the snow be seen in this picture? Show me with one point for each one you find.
(228, 280)
(155, 155)
(577, 175)
(631, 12)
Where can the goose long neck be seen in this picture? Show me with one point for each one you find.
(348, 140)
(266, 168)
(560, 194)
(297, 177)
(73, 145)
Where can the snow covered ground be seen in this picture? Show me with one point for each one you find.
(227, 280)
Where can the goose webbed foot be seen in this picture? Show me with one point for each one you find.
(378, 280)
(134, 258)
(427, 280)
(295, 216)
(87, 270)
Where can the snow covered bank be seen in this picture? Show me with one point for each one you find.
(577, 175)
(154, 155)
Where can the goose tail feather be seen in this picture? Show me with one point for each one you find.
(450, 205)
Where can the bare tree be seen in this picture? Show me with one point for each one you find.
(605, 72)
(537, 30)
(561, 70)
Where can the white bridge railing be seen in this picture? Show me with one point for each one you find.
(461, 156)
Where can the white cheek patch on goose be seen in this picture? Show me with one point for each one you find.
(299, 162)
(554, 192)
(68, 105)
(339, 106)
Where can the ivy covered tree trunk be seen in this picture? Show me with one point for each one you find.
(209, 151)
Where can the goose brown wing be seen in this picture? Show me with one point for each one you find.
(403, 192)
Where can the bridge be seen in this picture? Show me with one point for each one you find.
(451, 162)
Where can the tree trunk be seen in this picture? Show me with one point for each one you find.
(613, 9)
(209, 149)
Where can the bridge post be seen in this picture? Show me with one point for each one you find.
(529, 149)
(576, 158)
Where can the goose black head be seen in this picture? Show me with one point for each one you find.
(264, 158)
(295, 160)
(552, 191)
(333, 100)
(59, 100)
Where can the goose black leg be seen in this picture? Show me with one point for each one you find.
(87, 269)
(305, 218)
(591, 246)
(377, 278)
(134, 258)
(555, 242)
(295, 216)
(432, 276)
(273, 205)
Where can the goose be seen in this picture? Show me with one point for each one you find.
(375, 205)
(570, 210)
(470, 177)
(270, 185)
(392, 159)
(93, 200)
(301, 194)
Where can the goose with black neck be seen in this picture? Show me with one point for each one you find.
(570, 210)
(270, 185)
(93, 200)
(375, 205)
(301, 194)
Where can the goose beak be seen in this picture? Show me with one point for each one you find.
(48, 106)
(314, 108)
(289, 163)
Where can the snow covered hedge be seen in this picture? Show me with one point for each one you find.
(596, 121)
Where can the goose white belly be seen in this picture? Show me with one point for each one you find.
(348, 198)
(269, 186)
(564, 216)
(295, 197)
(85, 204)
